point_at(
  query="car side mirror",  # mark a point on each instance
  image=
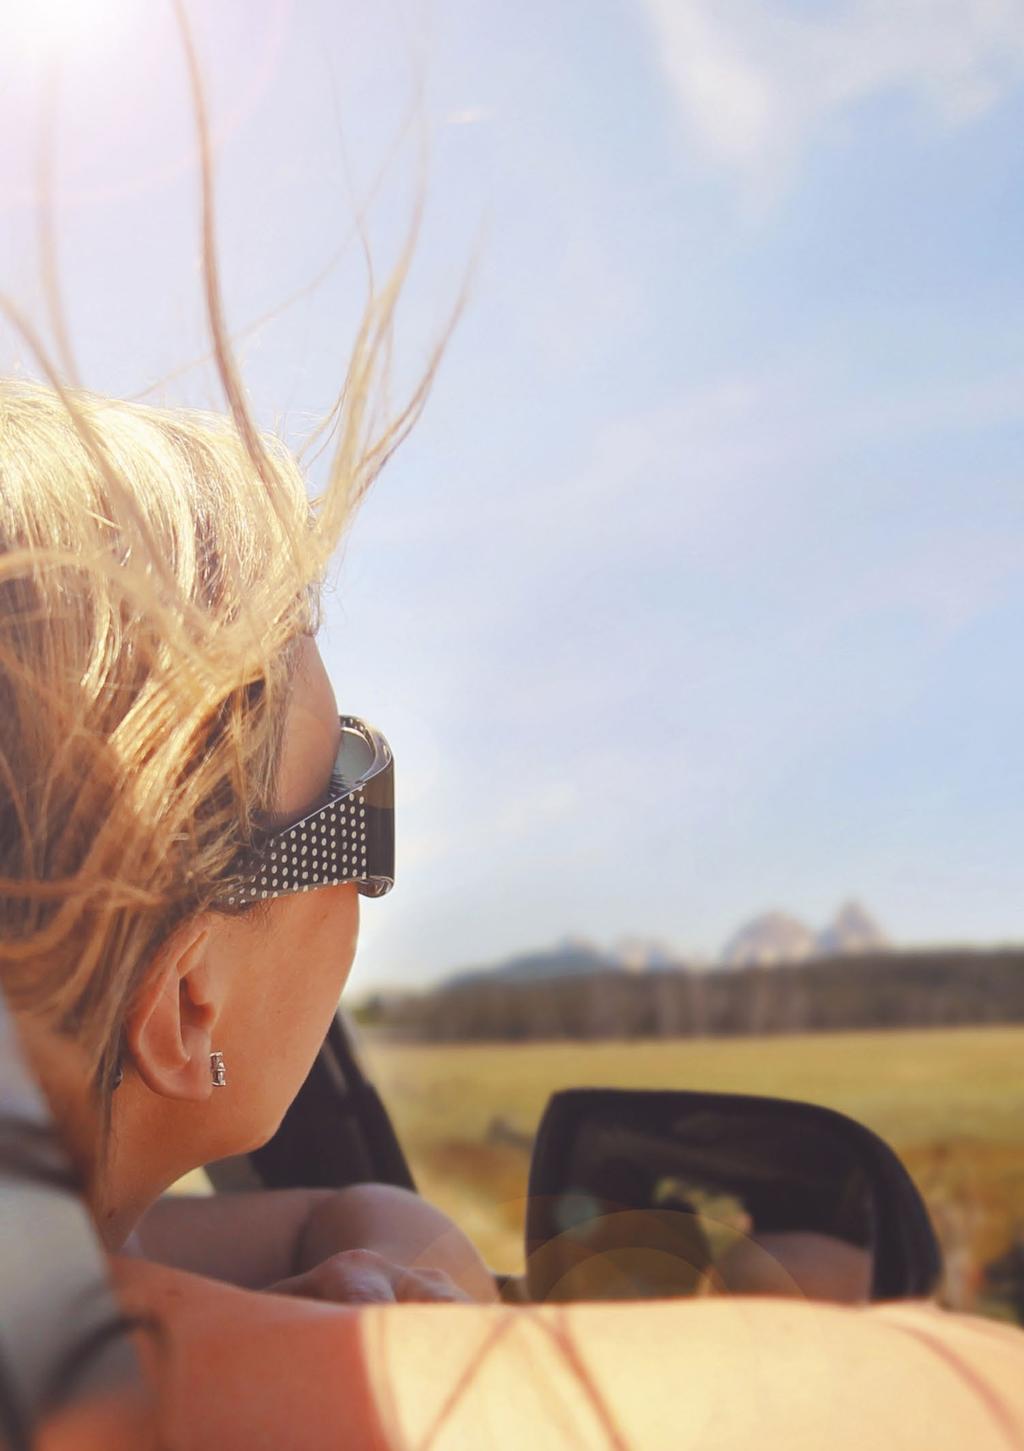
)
(637, 1194)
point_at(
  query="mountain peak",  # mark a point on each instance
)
(853, 930)
(643, 954)
(777, 937)
(772, 937)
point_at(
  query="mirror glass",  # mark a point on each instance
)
(729, 1199)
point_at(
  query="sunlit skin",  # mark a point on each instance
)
(727, 1374)
(110, 1423)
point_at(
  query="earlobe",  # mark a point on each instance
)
(170, 1026)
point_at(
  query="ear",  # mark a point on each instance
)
(171, 1023)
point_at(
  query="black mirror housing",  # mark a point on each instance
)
(680, 1174)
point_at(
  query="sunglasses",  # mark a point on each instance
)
(350, 838)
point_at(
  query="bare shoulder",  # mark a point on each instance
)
(236, 1368)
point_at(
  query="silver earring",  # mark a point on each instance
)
(218, 1072)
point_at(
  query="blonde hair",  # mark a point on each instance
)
(145, 614)
(156, 568)
(154, 575)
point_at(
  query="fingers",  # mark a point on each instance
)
(401, 1226)
(352, 1277)
(363, 1277)
(426, 1285)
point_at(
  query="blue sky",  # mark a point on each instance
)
(698, 590)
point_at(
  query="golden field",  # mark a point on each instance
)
(951, 1102)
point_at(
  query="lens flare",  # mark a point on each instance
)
(65, 27)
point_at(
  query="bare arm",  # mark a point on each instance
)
(246, 1239)
(257, 1240)
(237, 1370)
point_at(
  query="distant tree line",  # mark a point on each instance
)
(877, 990)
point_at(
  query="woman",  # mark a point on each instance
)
(165, 718)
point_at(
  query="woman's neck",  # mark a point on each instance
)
(122, 1170)
(150, 1145)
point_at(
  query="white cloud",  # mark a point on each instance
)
(755, 80)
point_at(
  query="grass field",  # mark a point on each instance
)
(950, 1102)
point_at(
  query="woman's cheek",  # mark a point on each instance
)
(322, 956)
(290, 997)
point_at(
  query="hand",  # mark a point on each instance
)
(363, 1277)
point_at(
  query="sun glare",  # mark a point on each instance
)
(67, 28)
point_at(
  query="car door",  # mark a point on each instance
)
(336, 1132)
